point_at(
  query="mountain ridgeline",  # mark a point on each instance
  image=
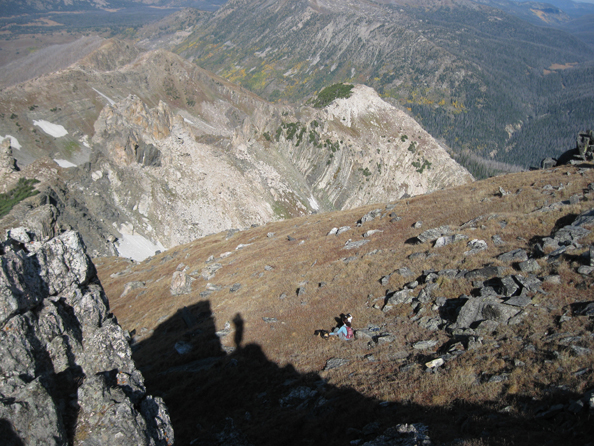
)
(475, 76)
(158, 151)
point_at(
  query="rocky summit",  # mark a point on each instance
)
(67, 374)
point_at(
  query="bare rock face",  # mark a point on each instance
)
(129, 128)
(67, 371)
(7, 162)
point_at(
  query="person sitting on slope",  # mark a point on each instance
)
(345, 332)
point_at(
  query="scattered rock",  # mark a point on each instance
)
(343, 229)
(433, 234)
(335, 363)
(517, 255)
(435, 363)
(181, 283)
(497, 240)
(476, 246)
(424, 345)
(585, 270)
(484, 308)
(529, 266)
(449, 239)
(132, 286)
(183, 347)
(485, 273)
(370, 216)
(235, 287)
(352, 245)
(403, 435)
(371, 232)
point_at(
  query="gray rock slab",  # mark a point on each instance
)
(335, 363)
(425, 345)
(517, 255)
(529, 266)
(485, 273)
(433, 234)
(519, 301)
(449, 239)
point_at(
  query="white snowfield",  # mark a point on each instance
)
(64, 163)
(137, 247)
(14, 143)
(55, 130)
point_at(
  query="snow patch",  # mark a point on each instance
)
(84, 140)
(111, 101)
(64, 163)
(314, 203)
(55, 130)
(14, 143)
(135, 246)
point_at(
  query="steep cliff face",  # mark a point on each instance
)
(360, 150)
(67, 370)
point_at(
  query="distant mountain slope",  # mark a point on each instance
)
(479, 78)
(158, 151)
(14, 7)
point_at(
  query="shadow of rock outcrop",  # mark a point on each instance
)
(236, 396)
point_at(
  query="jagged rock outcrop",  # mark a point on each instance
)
(67, 371)
(129, 128)
(7, 162)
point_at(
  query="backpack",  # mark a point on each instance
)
(350, 333)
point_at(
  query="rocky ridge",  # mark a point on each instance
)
(177, 153)
(67, 371)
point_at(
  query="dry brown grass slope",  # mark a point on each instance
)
(249, 374)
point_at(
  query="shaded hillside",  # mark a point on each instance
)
(473, 75)
(486, 339)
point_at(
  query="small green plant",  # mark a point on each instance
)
(267, 136)
(366, 172)
(328, 94)
(14, 116)
(23, 189)
(403, 138)
(421, 166)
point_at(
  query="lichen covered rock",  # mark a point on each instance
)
(66, 369)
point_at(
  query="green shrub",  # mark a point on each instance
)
(328, 94)
(23, 189)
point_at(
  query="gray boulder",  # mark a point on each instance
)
(485, 308)
(433, 234)
(517, 255)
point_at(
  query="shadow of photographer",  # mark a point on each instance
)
(236, 396)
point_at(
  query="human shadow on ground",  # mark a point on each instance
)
(236, 396)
